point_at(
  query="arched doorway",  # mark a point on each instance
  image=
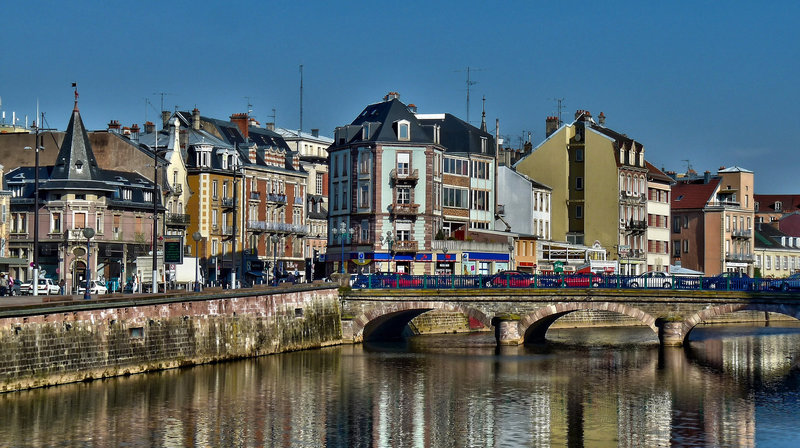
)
(78, 272)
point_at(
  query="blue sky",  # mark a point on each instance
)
(707, 82)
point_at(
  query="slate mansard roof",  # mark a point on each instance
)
(381, 120)
(457, 135)
(76, 171)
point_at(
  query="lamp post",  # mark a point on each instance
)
(36, 210)
(155, 211)
(274, 238)
(446, 262)
(197, 236)
(342, 232)
(388, 239)
(88, 232)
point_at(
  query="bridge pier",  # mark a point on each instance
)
(670, 333)
(506, 330)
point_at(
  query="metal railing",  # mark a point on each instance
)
(279, 198)
(178, 218)
(412, 175)
(404, 209)
(405, 246)
(561, 281)
(742, 233)
(269, 226)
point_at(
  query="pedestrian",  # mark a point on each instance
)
(62, 287)
(3, 284)
(10, 285)
(135, 283)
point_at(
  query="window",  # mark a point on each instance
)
(480, 170)
(80, 221)
(214, 217)
(456, 197)
(117, 223)
(785, 262)
(686, 222)
(364, 159)
(676, 248)
(319, 183)
(483, 145)
(403, 130)
(480, 200)
(98, 226)
(127, 194)
(148, 196)
(458, 167)
(676, 224)
(363, 195)
(778, 206)
(728, 223)
(686, 246)
(404, 195)
(225, 189)
(768, 260)
(579, 212)
(364, 230)
(579, 183)
(335, 199)
(403, 163)
(55, 222)
(403, 230)
(214, 189)
(579, 155)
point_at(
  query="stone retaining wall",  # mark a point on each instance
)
(86, 340)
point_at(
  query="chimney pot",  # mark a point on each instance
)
(270, 126)
(196, 119)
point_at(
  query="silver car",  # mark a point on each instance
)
(651, 279)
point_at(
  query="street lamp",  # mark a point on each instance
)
(388, 240)
(88, 232)
(274, 238)
(155, 210)
(197, 236)
(36, 212)
(446, 263)
(342, 232)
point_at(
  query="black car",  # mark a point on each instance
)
(729, 281)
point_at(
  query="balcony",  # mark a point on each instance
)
(739, 257)
(742, 234)
(255, 196)
(228, 203)
(278, 198)
(404, 209)
(633, 197)
(635, 226)
(177, 219)
(405, 246)
(409, 177)
(177, 189)
(268, 226)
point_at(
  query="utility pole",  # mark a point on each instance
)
(301, 100)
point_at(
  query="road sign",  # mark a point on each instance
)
(361, 256)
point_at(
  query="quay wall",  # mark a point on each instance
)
(60, 343)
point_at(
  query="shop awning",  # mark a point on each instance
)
(487, 256)
(12, 261)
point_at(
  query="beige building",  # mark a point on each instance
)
(777, 255)
(604, 206)
(658, 219)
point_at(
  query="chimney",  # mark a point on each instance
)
(551, 125)
(126, 131)
(602, 119)
(270, 126)
(241, 121)
(706, 177)
(315, 132)
(391, 95)
(113, 126)
(165, 118)
(196, 119)
(412, 108)
(583, 115)
(135, 132)
(149, 127)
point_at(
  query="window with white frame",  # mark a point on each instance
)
(55, 222)
(214, 217)
(480, 200)
(403, 163)
(364, 229)
(320, 177)
(480, 169)
(403, 130)
(364, 162)
(456, 197)
(484, 145)
(403, 195)
(98, 222)
(403, 230)
(459, 167)
(214, 189)
(363, 195)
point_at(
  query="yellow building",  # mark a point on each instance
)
(777, 255)
(599, 186)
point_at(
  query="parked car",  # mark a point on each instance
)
(733, 281)
(512, 279)
(46, 286)
(590, 280)
(651, 279)
(95, 287)
(785, 284)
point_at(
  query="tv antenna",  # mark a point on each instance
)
(162, 94)
(274, 118)
(469, 83)
(249, 105)
(688, 165)
(559, 108)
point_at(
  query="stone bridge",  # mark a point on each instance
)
(524, 315)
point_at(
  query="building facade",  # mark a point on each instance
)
(658, 219)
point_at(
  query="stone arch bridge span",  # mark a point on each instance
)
(524, 315)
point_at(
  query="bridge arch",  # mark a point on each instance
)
(708, 313)
(533, 326)
(388, 320)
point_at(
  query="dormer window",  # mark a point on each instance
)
(483, 145)
(778, 206)
(365, 132)
(403, 128)
(79, 166)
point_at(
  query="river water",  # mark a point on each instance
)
(731, 386)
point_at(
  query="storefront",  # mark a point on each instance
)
(484, 263)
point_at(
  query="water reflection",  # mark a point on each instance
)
(732, 386)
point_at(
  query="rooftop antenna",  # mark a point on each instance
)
(274, 118)
(559, 108)
(301, 99)
(470, 83)
(163, 94)
(249, 105)
(688, 165)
